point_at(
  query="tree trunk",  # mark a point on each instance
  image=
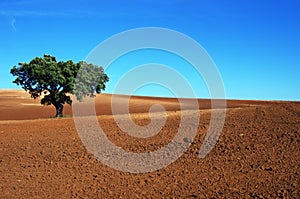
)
(59, 110)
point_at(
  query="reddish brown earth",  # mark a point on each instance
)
(257, 155)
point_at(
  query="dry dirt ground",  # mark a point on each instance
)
(256, 156)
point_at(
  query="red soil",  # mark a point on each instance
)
(257, 154)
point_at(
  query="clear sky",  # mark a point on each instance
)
(255, 44)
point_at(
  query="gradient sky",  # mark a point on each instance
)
(255, 44)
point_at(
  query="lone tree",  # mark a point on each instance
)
(57, 79)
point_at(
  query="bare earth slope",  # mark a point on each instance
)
(257, 154)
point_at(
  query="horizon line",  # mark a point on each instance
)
(169, 97)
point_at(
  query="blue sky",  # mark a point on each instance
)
(255, 44)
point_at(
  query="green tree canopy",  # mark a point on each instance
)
(57, 79)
